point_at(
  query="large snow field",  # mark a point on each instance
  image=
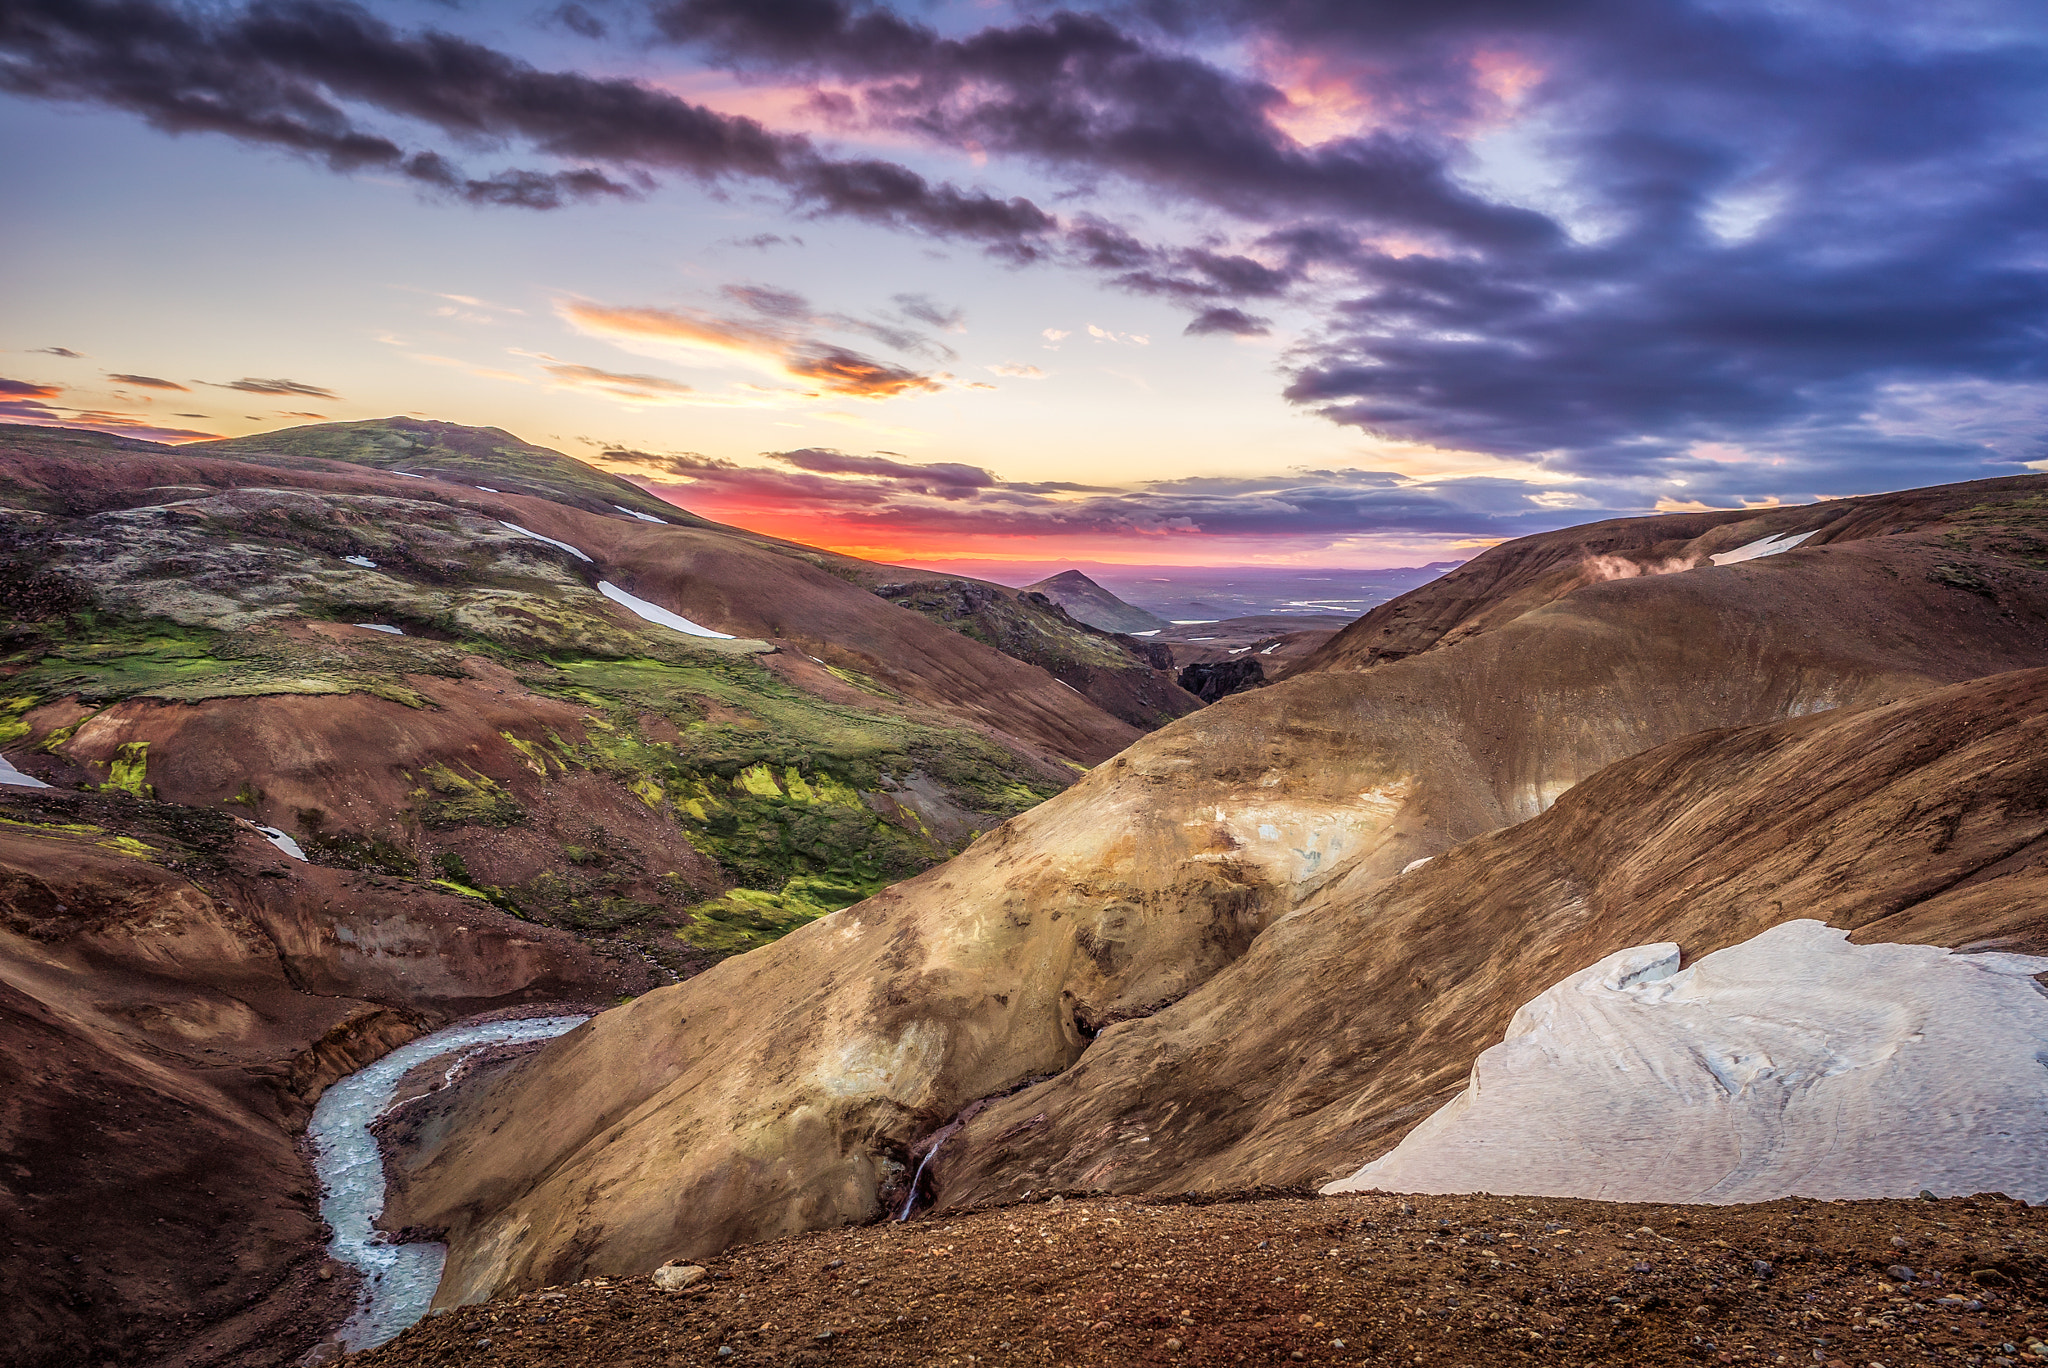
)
(1794, 1063)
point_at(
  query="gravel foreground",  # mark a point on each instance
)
(1367, 1279)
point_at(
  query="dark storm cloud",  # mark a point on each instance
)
(1076, 89)
(290, 74)
(1813, 234)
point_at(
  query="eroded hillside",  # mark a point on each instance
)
(1096, 919)
(334, 745)
(174, 994)
(438, 681)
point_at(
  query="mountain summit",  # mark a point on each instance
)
(1089, 602)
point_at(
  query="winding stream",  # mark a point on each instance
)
(398, 1280)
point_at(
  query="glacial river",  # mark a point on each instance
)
(398, 1280)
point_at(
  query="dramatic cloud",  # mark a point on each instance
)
(249, 385)
(147, 382)
(293, 74)
(779, 341)
(1597, 232)
(1679, 250)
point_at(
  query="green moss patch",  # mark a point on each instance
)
(451, 799)
(128, 771)
(747, 918)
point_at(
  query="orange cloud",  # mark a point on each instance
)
(832, 369)
(844, 372)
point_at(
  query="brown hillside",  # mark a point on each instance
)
(174, 994)
(1517, 577)
(1923, 821)
(789, 1089)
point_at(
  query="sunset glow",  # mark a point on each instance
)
(1253, 287)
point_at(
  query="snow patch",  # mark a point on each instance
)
(280, 840)
(1270, 649)
(407, 473)
(10, 775)
(1154, 632)
(485, 488)
(1794, 1063)
(1414, 865)
(652, 612)
(380, 627)
(363, 561)
(549, 540)
(1767, 546)
(643, 517)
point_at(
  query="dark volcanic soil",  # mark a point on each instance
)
(1435, 1281)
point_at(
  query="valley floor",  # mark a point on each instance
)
(1366, 1279)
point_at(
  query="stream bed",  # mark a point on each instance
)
(398, 1280)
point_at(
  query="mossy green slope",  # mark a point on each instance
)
(188, 594)
(451, 451)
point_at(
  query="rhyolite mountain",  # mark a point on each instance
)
(1091, 603)
(1202, 966)
(544, 739)
(539, 736)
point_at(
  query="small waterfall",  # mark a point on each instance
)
(938, 1139)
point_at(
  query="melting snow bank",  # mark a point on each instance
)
(549, 540)
(1792, 1064)
(398, 1280)
(363, 561)
(10, 775)
(1768, 546)
(381, 627)
(657, 614)
(643, 517)
(281, 840)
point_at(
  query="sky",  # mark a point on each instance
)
(1348, 283)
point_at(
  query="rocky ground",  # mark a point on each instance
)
(1369, 1279)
